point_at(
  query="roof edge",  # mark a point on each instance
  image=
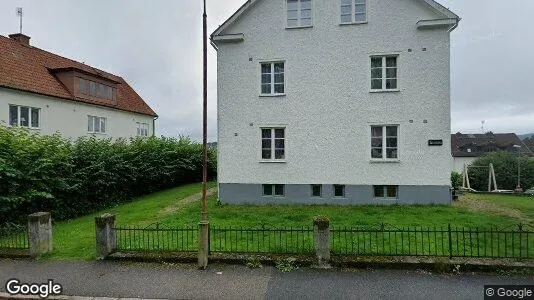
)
(73, 99)
(246, 6)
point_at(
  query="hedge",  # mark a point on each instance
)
(505, 165)
(73, 178)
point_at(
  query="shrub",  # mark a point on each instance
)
(456, 180)
(505, 165)
(73, 178)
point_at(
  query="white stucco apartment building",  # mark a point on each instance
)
(334, 101)
(49, 94)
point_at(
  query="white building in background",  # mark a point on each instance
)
(48, 93)
(334, 101)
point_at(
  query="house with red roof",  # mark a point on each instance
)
(49, 94)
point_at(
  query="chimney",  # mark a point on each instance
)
(21, 38)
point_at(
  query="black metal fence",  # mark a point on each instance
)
(385, 240)
(14, 237)
(380, 240)
(262, 240)
(156, 238)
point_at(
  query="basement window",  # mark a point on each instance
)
(276, 190)
(386, 191)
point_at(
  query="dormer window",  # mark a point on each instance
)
(96, 89)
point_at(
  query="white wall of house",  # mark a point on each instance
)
(328, 108)
(460, 161)
(70, 118)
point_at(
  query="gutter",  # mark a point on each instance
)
(455, 25)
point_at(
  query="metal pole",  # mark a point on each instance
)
(204, 224)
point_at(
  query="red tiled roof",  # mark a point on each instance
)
(28, 68)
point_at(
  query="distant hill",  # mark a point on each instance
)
(524, 136)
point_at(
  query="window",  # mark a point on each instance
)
(92, 88)
(83, 86)
(24, 116)
(96, 124)
(272, 78)
(276, 190)
(339, 190)
(384, 142)
(299, 13)
(317, 190)
(385, 191)
(142, 129)
(273, 143)
(353, 11)
(383, 73)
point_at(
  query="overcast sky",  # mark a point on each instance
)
(157, 47)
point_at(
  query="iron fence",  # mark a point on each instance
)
(14, 237)
(156, 238)
(385, 240)
(380, 240)
(262, 240)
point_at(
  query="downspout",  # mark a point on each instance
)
(154, 125)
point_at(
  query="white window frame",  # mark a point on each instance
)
(142, 127)
(100, 119)
(384, 77)
(29, 116)
(334, 190)
(320, 190)
(299, 15)
(353, 12)
(273, 144)
(273, 191)
(385, 192)
(384, 143)
(273, 93)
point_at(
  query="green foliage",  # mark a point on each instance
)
(456, 180)
(505, 165)
(254, 262)
(286, 265)
(73, 178)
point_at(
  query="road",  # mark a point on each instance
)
(179, 281)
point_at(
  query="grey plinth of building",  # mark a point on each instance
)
(40, 233)
(106, 241)
(321, 228)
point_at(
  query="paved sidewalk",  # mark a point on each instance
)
(182, 281)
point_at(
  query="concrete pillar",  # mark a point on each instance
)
(40, 233)
(106, 240)
(321, 228)
(203, 244)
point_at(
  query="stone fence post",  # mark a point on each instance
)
(40, 233)
(322, 235)
(106, 240)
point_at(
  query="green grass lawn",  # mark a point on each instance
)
(75, 239)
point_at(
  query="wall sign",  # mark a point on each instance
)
(435, 142)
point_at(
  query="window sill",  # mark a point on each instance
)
(272, 95)
(99, 133)
(353, 23)
(25, 127)
(385, 161)
(385, 199)
(299, 27)
(281, 161)
(385, 91)
(339, 198)
(273, 197)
